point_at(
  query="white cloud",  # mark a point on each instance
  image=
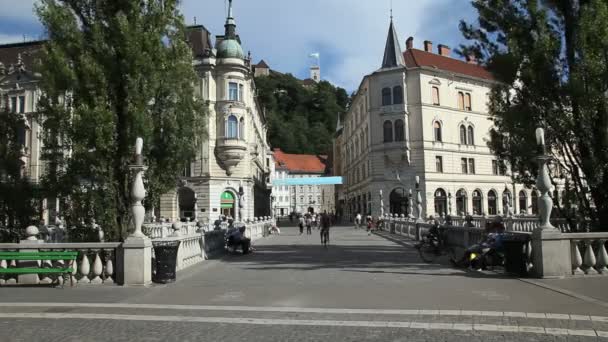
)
(349, 34)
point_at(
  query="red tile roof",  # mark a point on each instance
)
(415, 58)
(304, 163)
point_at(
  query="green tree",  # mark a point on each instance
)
(551, 61)
(112, 71)
(300, 119)
(18, 197)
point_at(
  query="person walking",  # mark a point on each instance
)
(325, 224)
(357, 220)
(301, 224)
(308, 224)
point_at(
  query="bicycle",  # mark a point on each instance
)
(433, 246)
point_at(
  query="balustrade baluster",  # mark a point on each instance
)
(109, 271)
(97, 269)
(589, 259)
(85, 268)
(577, 259)
(2, 265)
(602, 259)
(74, 264)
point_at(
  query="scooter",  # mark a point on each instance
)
(483, 256)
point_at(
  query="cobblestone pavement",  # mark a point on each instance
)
(360, 288)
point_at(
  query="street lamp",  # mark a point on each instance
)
(543, 183)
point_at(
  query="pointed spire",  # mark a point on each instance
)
(230, 23)
(393, 56)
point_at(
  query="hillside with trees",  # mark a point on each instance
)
(300, 119)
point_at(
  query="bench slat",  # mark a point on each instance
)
(39, 253)
(35, 270)
(38, 257)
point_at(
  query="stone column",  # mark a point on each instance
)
(29, 279)
(135, 254)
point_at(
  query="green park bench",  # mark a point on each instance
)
(42, 256)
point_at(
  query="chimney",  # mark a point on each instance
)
(428, 46)
(409, 43)
(471, 59)
(443, 50)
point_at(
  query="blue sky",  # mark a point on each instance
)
(349, 34)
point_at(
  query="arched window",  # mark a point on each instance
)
(399, 130)
(398, 95)
(463, 135)
(523, 202)
(471, 135)
(534, 200)
(477, 202)
(492, 204)
(242, 129)
(386, 96)
(436, 96)
(232, 128)
(461, 202)
(437, 131)
(388, 131)
(441, 202)
(398, 202)
(460, 100)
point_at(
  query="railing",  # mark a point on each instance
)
(165, 230)
(95, 264)
(593, 259)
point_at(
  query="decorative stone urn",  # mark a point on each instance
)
(230, 152)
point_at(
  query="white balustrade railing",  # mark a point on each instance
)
(95, 264)
(588, 253)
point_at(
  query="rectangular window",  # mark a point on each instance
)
(13, 106)
(460, 100)
(467, 102)
(502, 168)
(21, 104)
(436, 96)
(495, 167)
(233, 91)
(439, 164)
(472, 166)
(464, 165)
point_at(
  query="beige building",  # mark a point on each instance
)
(306, 197)
(425, 114)
(231, 173)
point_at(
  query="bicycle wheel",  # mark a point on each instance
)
(428, 252)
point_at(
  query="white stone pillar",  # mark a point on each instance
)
(135, 254)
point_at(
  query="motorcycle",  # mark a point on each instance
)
(486, 254)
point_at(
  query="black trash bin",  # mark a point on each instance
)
(165, 255)
(515, 254)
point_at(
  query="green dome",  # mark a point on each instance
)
(230, 48)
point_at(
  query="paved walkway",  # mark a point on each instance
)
(360, 288)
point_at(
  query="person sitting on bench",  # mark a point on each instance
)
(237, 239)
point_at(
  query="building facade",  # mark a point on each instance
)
(306, 197)
(231, 173)
(19, 93)
(424, 114)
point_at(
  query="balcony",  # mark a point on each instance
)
(230, 152)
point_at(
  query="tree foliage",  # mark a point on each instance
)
(551, 59)
(112, 71)
(300, 119)
(18, 197)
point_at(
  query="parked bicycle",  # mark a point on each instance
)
(434, 245)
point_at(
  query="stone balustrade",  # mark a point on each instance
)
(95, 265)
(588, 253)
(190, 252)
